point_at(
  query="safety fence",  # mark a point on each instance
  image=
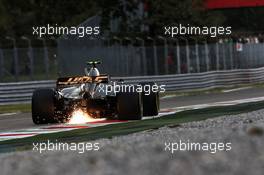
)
(28, 61)
(21, 92)
(46, 59)
(158, 56)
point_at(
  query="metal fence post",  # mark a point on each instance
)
(231, 54)
(249, 62)
(197, 56)
(261, 49)
(217, 56)
(16, 61)
(46, 56)
(120, 56)
(155, 55)
(16, 68)
(155, 58)
(31, 57)
(207, 56)
(127, 57)
(224, 56)
(2, 67)
(144, 57)
(166, 52)
(15, 58)
(104, 43)
(253, 55)
(143, 49)
(177, 52)
(119, 51)
(187, 55)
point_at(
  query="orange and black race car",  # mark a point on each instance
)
(96, 95)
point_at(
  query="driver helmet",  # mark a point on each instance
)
(93, 72)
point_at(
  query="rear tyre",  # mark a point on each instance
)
(129, 106)
(151, 103)
(43, 108)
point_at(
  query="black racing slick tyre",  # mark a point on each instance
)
(129, 106)
(151, 103)
(43, 108)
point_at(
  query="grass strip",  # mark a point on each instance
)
(15, 108)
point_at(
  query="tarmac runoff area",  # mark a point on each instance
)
(145, 152)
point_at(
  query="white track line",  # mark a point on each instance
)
(225, 103)
(236, 89)
(7, 114)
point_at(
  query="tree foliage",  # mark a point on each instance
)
(173, 12)
(17, 17)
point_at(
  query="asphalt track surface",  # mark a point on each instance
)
(23, 120)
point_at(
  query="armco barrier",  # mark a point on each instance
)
(21, 92)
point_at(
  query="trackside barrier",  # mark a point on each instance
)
(21, 92)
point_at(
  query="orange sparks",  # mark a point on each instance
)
(80, 117)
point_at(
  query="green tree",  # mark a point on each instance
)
(17, 17)
(157, 14)
(173, 12)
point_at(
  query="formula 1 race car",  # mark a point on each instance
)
(95, 95)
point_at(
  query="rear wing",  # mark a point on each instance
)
(69, 81)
